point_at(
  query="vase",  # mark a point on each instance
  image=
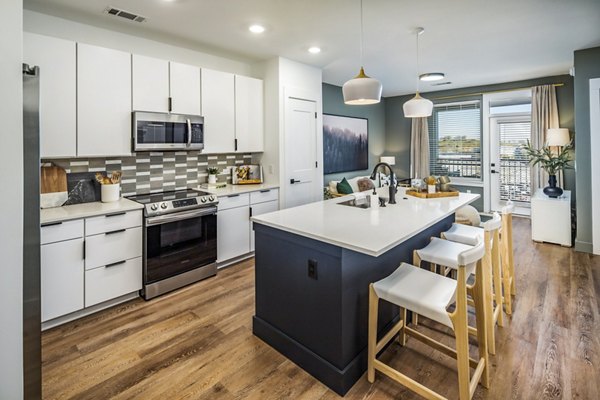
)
(110, 193)
(552, 190)
(212, 178)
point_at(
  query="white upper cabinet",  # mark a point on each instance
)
(150, 83)
(185, 89)
(218, 110)
(249, 120)
(56, 59)
(103, 101)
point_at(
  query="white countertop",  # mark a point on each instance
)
(371, 231)
(238, 189)
(76, 211)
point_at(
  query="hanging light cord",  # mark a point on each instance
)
(361, 34)
(419, 31)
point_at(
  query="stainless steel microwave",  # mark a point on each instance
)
(167, 132)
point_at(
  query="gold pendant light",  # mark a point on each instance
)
(418, 106)
(362, 89)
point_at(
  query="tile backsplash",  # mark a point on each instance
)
(157, 171)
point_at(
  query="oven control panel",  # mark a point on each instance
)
(184, 203)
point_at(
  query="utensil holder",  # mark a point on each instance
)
(110, 193)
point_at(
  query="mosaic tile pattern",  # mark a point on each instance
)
(157, 171)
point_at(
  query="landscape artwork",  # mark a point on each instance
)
(345, 144)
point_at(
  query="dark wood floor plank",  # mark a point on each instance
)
(197, 343)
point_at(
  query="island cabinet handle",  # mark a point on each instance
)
(114, 214)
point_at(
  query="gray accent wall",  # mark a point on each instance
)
(587, 66)
(398, 127)
(333, 103)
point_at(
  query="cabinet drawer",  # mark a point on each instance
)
(59, 231)
(232, 201)
(111, 247)
(106, 283)
(113, 222)
(264, 195)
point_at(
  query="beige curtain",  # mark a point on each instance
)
(544, 115)
(419, 148)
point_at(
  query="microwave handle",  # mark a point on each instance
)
(189, 132)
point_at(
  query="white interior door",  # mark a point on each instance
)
(300, 152)
(510, 172)
(595, 144)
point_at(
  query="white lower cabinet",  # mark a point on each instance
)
(112, 280)
(235, 236)
(62, 278)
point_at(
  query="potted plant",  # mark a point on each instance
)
(212, 174)
(552, 162)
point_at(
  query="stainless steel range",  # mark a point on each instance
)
(180, 239)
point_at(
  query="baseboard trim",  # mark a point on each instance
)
(583, 247)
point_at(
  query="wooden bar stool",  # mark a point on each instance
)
(430, 294)
(508, 263)
(443, 252)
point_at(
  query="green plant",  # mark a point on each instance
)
(212, 170)
(548, 160)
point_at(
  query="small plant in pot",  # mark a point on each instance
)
(212, 174)
(552, 162)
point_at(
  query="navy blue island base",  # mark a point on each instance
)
(312, 300)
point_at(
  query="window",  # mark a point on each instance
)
(455, 140)
(515, 172)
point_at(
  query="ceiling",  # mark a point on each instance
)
(473, 42)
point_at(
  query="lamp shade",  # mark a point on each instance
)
(362, 90)
(417, 107)
(558, 137)
(390, 160)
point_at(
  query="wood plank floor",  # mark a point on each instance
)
(197, 343)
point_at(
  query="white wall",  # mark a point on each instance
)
(67, 29)
(11, 201)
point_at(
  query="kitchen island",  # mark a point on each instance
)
(313, 267)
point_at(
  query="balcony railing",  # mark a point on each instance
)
(457, 167)
(515, 180)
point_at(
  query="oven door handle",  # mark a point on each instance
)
(165, 219)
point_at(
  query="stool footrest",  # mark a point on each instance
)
(442, 348)
(407, 382)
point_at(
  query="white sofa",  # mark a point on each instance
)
(354, 183)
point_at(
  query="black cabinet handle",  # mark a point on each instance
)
(117, 231)
(265, 191)
(292, 181)
(250, 212)
(52, 224)
(234, 195)
(115, 264)
(115, 214)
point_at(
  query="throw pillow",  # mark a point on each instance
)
(344, 187)
(365, 184)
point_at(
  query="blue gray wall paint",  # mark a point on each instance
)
(333, 103)
(398, 128)
(587, 66)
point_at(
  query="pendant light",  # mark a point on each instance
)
(362, 89)
(418, 106)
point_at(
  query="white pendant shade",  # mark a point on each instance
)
(362, 90)
(417, 107)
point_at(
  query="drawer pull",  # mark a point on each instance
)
(117, 231)
(234, 195)
(265, 191)
(52, 224)
(115, 264)
(115, 214)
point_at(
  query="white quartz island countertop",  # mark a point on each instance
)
(76, 211)
(371, 231)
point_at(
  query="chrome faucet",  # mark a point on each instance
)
(393, 189)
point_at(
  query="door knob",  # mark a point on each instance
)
(493, 171)
(292, 181)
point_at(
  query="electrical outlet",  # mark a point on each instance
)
(271, 169)
(468, 190)
(312, 269)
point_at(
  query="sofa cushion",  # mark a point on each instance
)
(365, 184)
(344, 187)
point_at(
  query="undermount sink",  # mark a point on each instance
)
(360, 203)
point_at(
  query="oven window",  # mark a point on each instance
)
(180, 246)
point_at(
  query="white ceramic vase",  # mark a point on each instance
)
(212, 179)
(110, 193)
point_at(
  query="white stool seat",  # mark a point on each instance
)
(444, 252)
(466, 234)
(419, 290)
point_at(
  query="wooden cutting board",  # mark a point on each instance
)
(53, 179)
(436, 195)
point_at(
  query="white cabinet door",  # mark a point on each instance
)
(185, 89)
(103, 101)
(249, 119)
(258, 209)
(218, 111)
(61, 276)
(150, 84)
(56, 59)
(233, 233)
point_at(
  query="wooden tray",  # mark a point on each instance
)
(436, 195)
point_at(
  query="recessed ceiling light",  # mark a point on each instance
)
(432, 76)
(256, 28)
(314, 50)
